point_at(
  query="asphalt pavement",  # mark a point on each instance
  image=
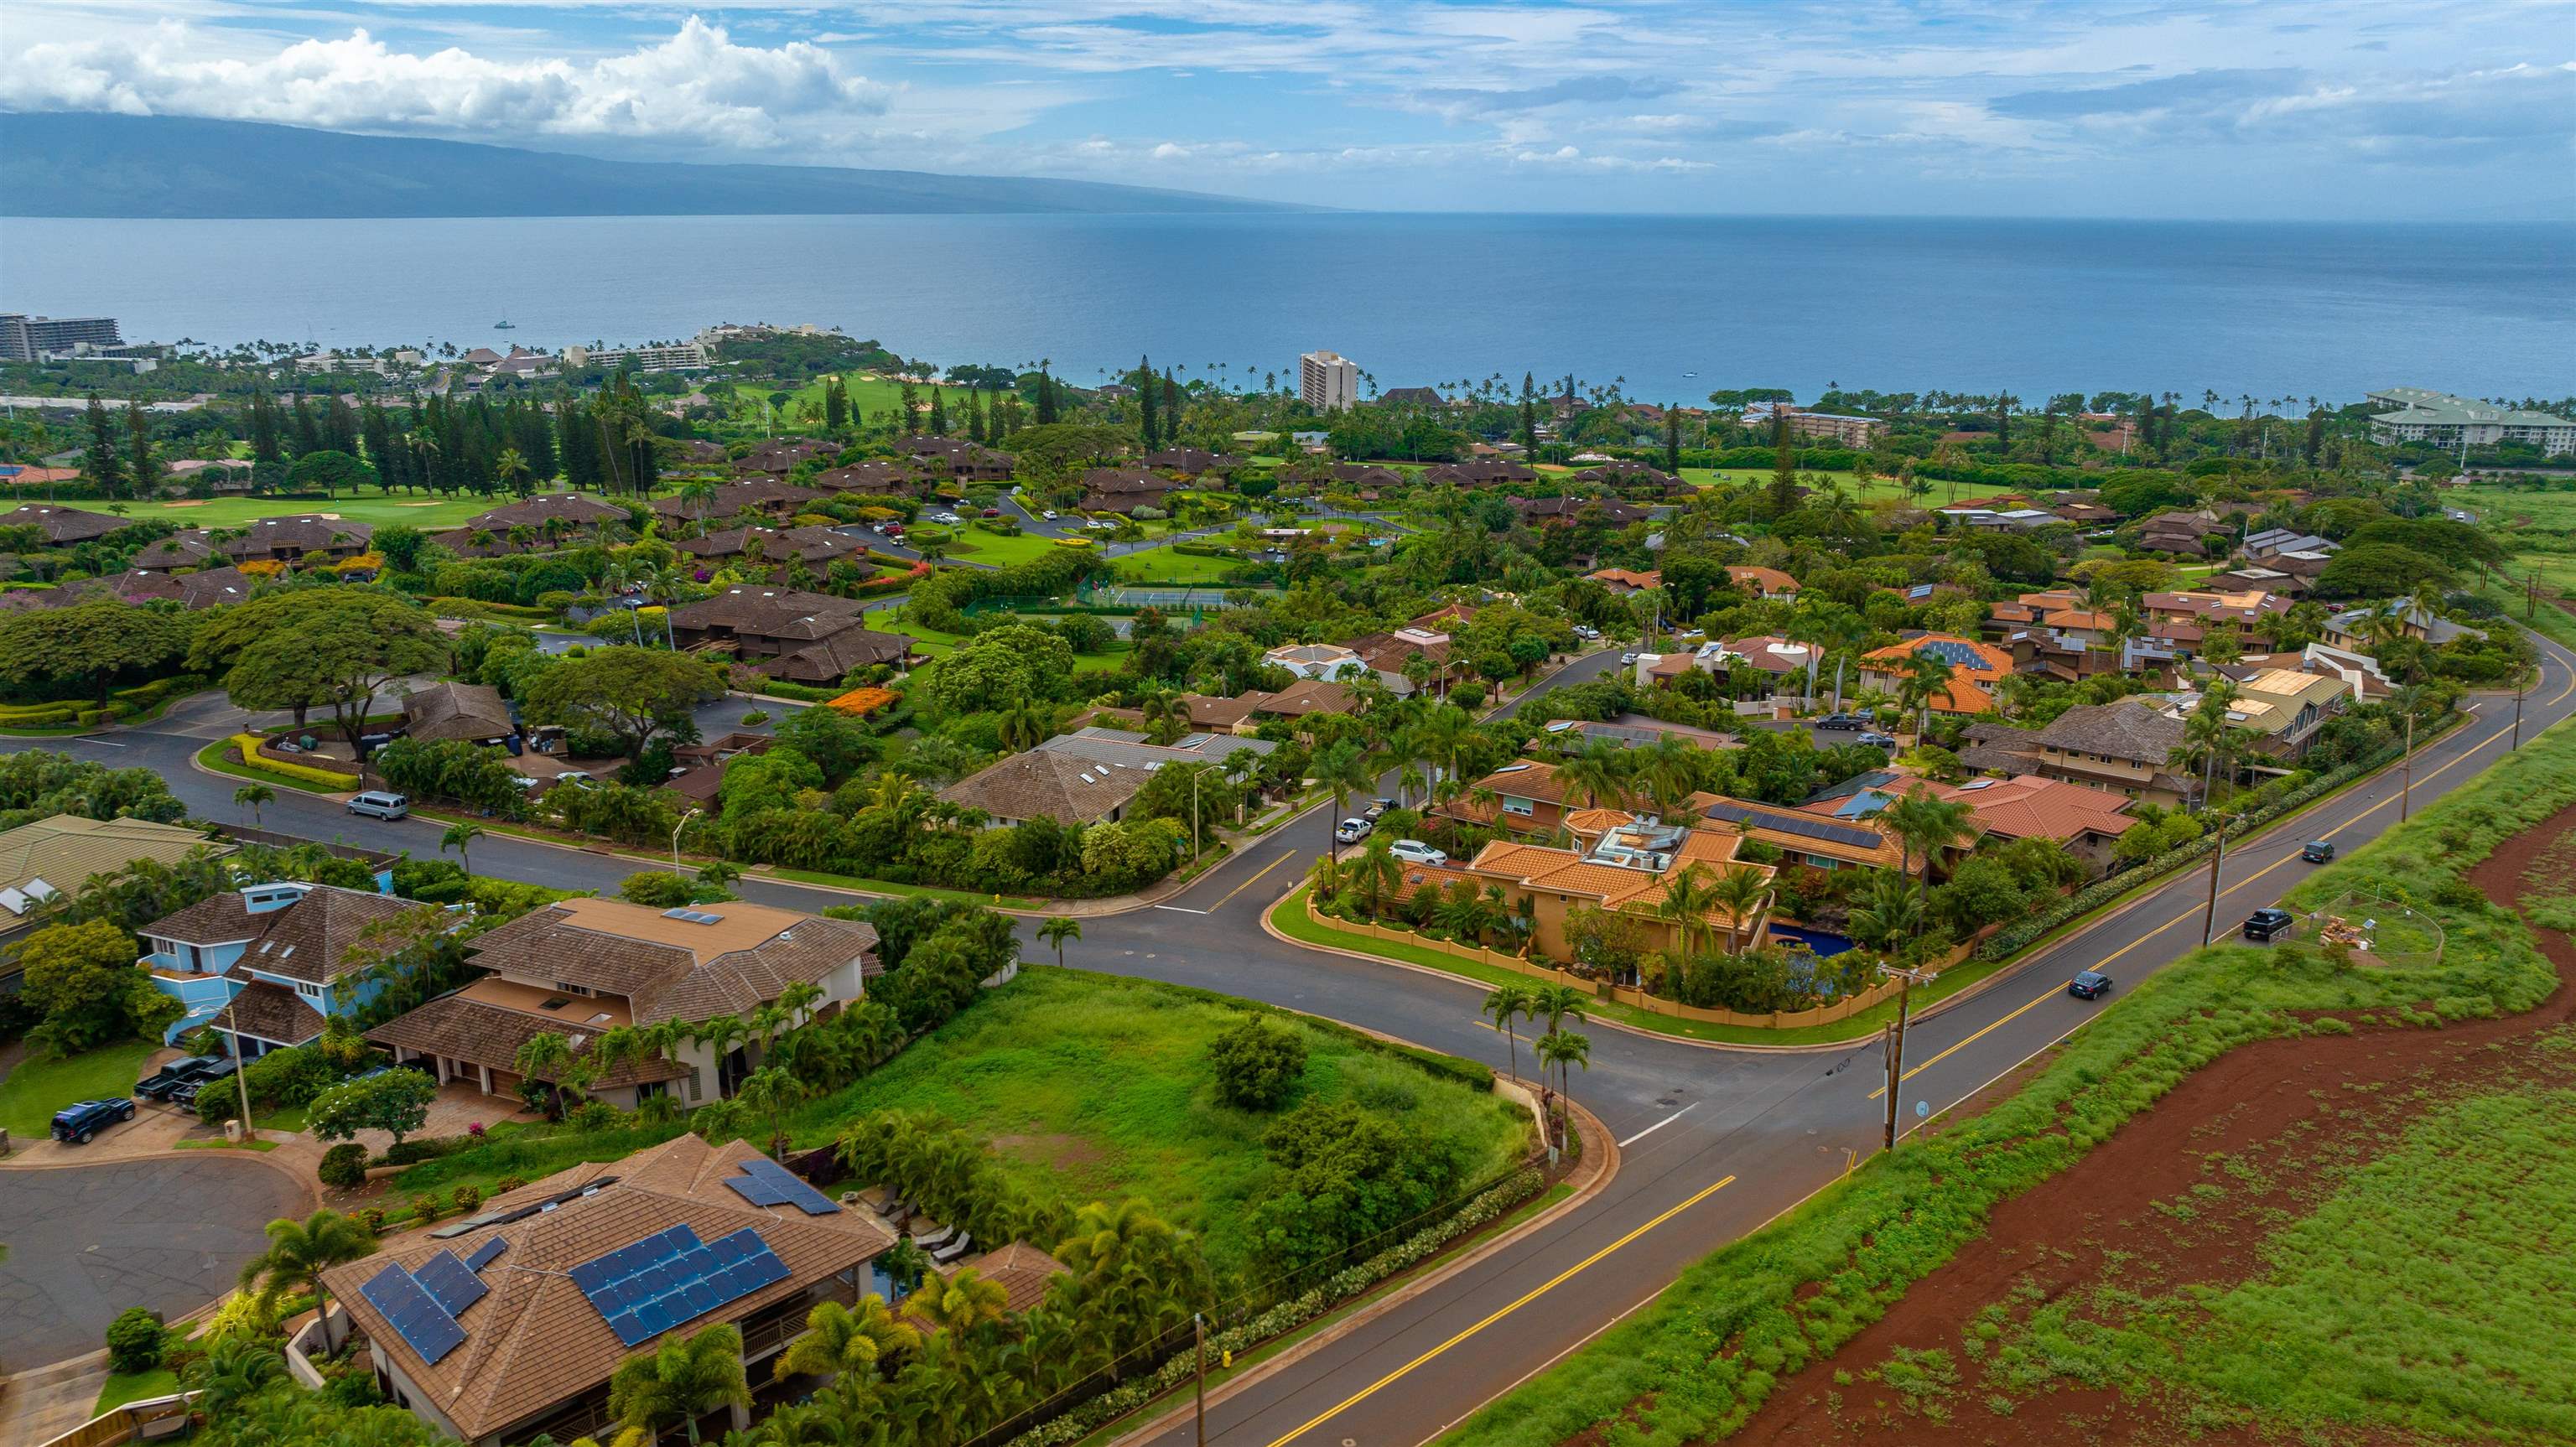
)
(1715, 1141)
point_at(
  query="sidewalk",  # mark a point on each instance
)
(42, 1403)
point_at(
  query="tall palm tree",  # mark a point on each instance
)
(1741, 892)
(1688, 894)
(771, 1092)
(688, 1378)
(460, 837)
(843, 1341)
(1056, 930)
(1378, 873)
(1505, 1006)
(300, 1251)
(1561, 1048)
(1346, 768)
(1888, 912)
(251, 797)
(546, 1056)
(1926, 824)
(1927, 677)
(1597, 776)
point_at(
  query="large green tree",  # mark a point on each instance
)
(83, 979)
(637, 694)
(330, 472)
(86, 647)
(335, 648)
(999, 668)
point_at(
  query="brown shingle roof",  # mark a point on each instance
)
(1056, 786)
(535, 1340)
(2127, 729)
(470, 711)
(65, 850)
(1021, 1270)
(61, 524)
(272, 1012)
(481, 1033)
(669, 969)
(308, 940)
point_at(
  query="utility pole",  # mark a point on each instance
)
(2209, 915)
(241, 1076)
(1896, 1034)
(1198, 1327)
(2521, 686)
(2406, 787)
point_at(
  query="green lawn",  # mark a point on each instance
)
(1162, 565)
(936, 644)
(989, 547)
(123, 1387)
(380, 509)
(1097, 1087)
(30, 1094)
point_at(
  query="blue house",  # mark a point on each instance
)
(267, 963)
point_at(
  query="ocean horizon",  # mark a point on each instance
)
(1670, 306)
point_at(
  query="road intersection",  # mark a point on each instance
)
(1719, 1140)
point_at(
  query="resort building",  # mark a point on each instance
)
(1329, 381)
(2422, 415)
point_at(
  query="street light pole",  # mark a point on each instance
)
(675, 837)
(2217, 861)
(1198, 1328)
(2406, 787)
(241, 1077)
(2521, 686)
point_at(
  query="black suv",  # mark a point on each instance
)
(165, 1082)
(77, 1122)
(2263, 924)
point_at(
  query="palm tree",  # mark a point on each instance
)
(1597, 776)
(509, 467)
(251, 797)
(1378, 872)
(300, 1251)
(1506, 1005)
(1926, 824)
(1688, 894)
(1562, 1048)
(546, 1056)
(1927, 677)
(959, 1304)
(234, 1369)
(842, 1341)
(1055, 931)
(1345, 768)
(1888, 913)
(1741, 892)
(460, 837)
(688, 1378)
(771, 1092)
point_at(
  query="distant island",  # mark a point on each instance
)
(91, 165)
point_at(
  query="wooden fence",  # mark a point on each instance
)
(158, 1417)
(1842, 1009)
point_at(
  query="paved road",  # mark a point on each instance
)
(86, 1242)
(1716, 1141)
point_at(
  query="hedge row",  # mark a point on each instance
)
(124, 703)
(1088, 1417)
(325, 779)
(2013, 938)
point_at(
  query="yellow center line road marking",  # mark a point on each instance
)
(2464, 757)
(1533, 1294)
(1256, 879)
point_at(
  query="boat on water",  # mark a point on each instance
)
(505, 325)
(1690, 374)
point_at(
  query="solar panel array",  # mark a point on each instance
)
(450, 1283)
(765, 1182)
(693, 916)
(424, 1325)
(670, 1277)
(1950, 651)
(484, 1253)
(1804, 825)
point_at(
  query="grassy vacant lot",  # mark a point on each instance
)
(381, 509)
(30, 1094)
(1695, 1364)
(1097, 1087)
(1162, 565)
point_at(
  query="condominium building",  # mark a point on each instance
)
(1328, 381)
(675, 357)
(24, 338)
(2448, 421)
(1839, 427)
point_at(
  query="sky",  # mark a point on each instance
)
(2265, 109)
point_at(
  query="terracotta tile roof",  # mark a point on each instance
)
(2030, 807)
(1800, 833)
(1768, 580)
(271, 1012)
(1627, 578)
(535, 1340)
(479, 1032)
(1635, 891)
(1021, 1270)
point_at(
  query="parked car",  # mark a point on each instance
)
(1841, 721)
(1352, 831)
(186, 1095)
(77, 1122)
(992, 512)
(1377, 809)
(892, 530)
(2317, 851)
(577, 779)
(2263, 924)
(1414, 851)
(1586, 632)
(1627, 658)
(1049, 514)
(379, 804)
(2090, 985)
(1878, 740)
(161, 1083)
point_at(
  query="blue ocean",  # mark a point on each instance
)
(1670, 307)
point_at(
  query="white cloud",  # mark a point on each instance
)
(697, 89)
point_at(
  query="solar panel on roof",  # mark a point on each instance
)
(424, 1325)
(646, 1289)
(1949, 651)
(484, 1253)
(1803, 825)
(450, 1283)
(788, 1187)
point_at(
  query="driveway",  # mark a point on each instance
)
(86, 1242)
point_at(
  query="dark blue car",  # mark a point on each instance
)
(77, 1122)
(2090, 985)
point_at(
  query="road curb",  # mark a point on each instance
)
(1603, 1165)
(311, 1190)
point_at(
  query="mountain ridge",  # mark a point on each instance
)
(92, 165)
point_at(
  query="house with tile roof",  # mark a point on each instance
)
(2122, 748)
(582, 967)
(1624, 863)
(1975, 668)
(1625, 581)
(301, 538)
(1764, 582)
(265, 964)
(2089, 822)
(61, 525)
(507, 1325)
(805, 637)
(44, 862)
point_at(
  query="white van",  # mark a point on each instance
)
(379, 804)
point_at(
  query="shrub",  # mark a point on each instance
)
(468, 1199)
(507, 1184)
(344, 1166)
(424, 1207)
(755, 716)
(1257, 1064)
(135, 1341)
(373, 1218)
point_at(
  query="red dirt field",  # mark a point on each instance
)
(2298, 1112)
